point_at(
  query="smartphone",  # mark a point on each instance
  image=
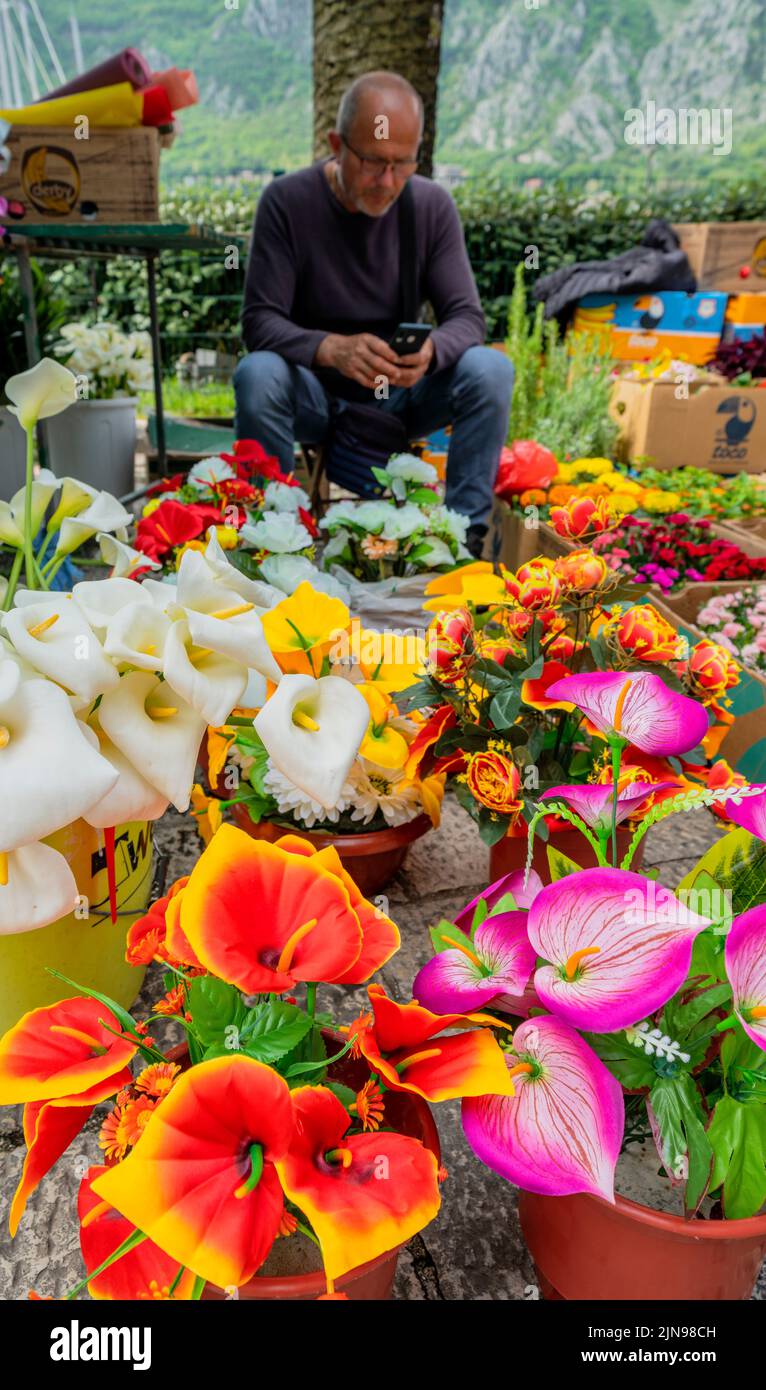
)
(409, 338)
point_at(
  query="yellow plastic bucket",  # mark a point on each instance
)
(86, 945)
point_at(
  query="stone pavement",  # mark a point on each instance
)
(474, 1249)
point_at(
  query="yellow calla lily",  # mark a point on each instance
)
(384, 747)
(302, 629)
(481, 590)
(452, 583)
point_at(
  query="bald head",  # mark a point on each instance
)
(377, 94)
(376, 141)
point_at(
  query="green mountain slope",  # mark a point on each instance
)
(525, 92)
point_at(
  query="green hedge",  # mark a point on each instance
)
(200, 298)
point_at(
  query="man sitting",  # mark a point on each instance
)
(322, 299)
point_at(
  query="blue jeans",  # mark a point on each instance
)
(278, 403)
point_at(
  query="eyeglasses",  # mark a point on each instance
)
(372, 164)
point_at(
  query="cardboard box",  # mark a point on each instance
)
(515, 543)
(111, 177)
(719, 427)
(745, 317)
(641, 326)
(718, 251)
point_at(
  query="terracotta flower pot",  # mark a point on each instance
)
(371, 857)
(585, 1248)
(407, 1114)
(510, 853)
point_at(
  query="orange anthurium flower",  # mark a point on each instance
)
(364, 1194)
(146, 939)
(380, 936)
(443, 718)
(262, 918)
(62, 1050)
(402, 1045)
(144, 1272)
(202, 1182)
(534, 692)
(49, 1128)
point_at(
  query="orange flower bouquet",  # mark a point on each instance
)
(498, 645)
(270, 1122)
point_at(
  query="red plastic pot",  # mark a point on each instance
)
(586, 1248)
(371, 857)
(510, 853)
(407, 1114)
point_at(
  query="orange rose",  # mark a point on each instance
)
(517, 624)
(644, 631)
(581, 517)
(581, 571)
(534, 585)
(451, 648)
(493, 779)
(711, 670)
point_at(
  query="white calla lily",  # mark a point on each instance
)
(254, 693)
(220, 619)
(264, 596)
(49, 773)
(137, 633)
(39, 888)
(212, 684)
(56, 637)
(43, 391)
(101, 599)
(75, 497)
(12, 513)
(131, 798)
(105, 513)
(156, 731)
(125, 560)
(312, 731)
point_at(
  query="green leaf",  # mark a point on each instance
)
(214, 1007)
(505, 904)
(492, 827)
(273, 1029)
(382, 476)
(680, 1018)
(534, 671)
(437, 935)
(680, 1117)
(737, 1134)
(736, 864)
(627, 1063)
(480, 914)
(345, 1094)
(560, 866)
(505, 707)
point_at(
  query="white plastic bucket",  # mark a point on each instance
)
(95, 442)
(13, 454)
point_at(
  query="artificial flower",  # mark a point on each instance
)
(312, 730)
(497, 960)
(44, 390)
(745, 955)
(302, 629)
(638, 708)
(493, 779)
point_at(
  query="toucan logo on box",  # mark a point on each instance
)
(76, 1343)
(731, 437)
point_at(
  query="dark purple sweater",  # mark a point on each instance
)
(315, 268)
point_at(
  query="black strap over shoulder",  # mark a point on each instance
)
(409, 305)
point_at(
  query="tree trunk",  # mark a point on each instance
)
(356, 36)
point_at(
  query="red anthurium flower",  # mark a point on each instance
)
(63, 1050)
(173, 524)
(402, 1045)
(251, 460)
(380, 936)
(263, 918)
(202, 1182)
(49, 1128)
(144, 1272)
(363, 1194)
(308, 521)
(535, 692)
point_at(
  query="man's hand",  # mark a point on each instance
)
(415, 366)
(362, 357)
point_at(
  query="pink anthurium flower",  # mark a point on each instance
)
(637, 707)
(499, 961)
(745, 957)
(509, 883)
(619, 945)
(593, 804)
(562, 1130)
(750, 813)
